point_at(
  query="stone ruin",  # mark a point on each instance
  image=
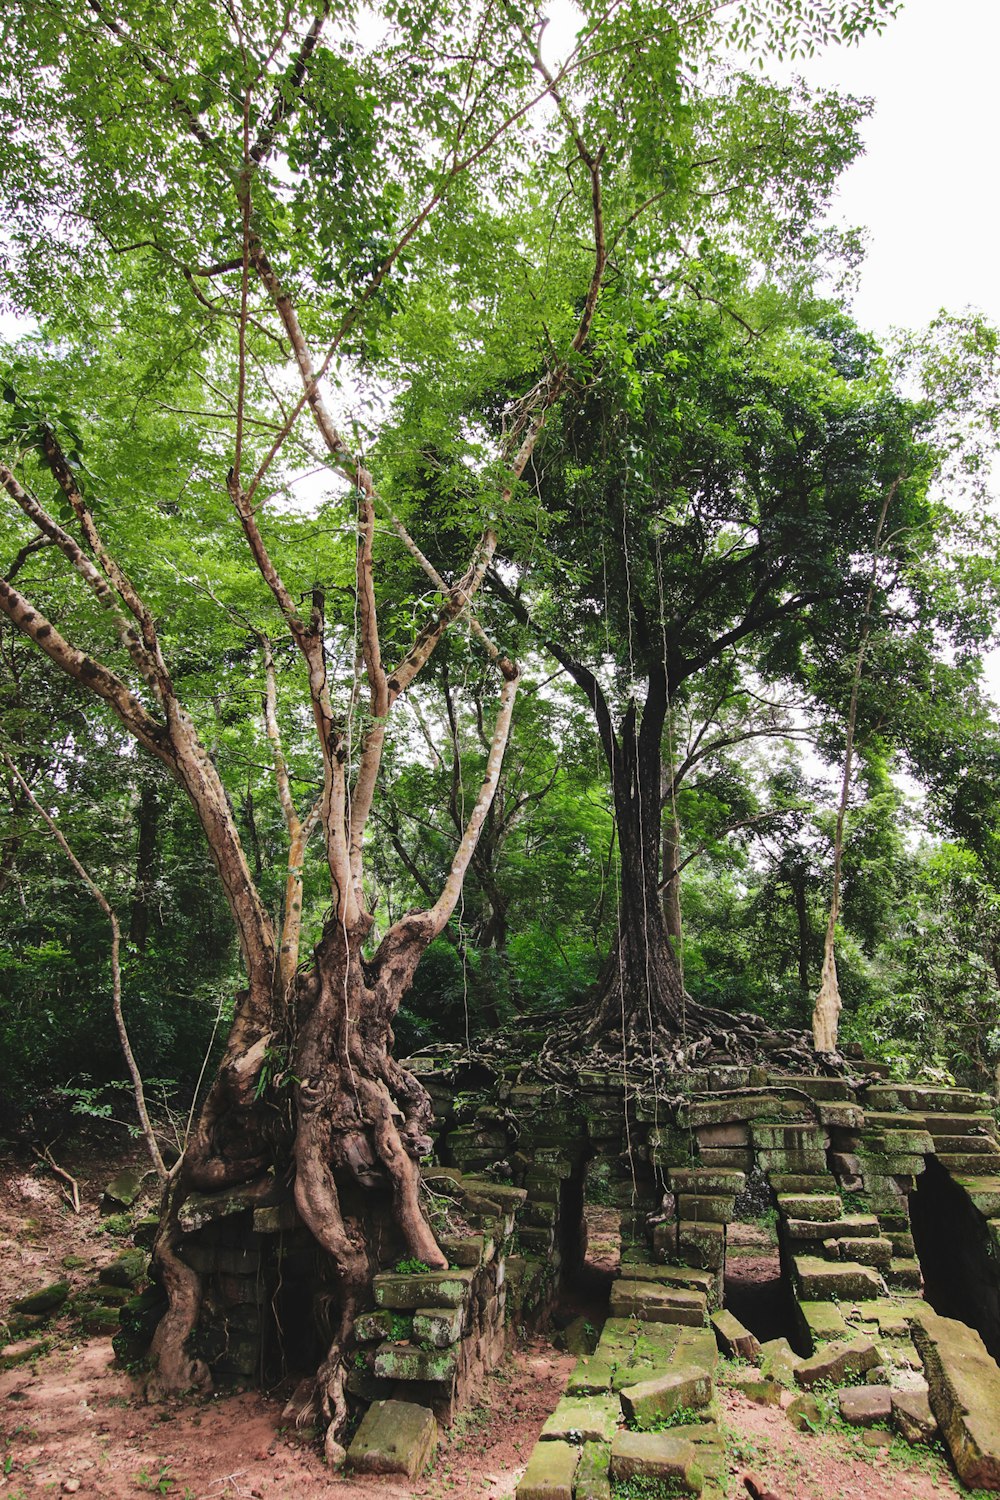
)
(887, 1204)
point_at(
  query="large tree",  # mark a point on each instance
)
(228, 223)
(715, 499)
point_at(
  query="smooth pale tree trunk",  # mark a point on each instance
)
(828, 1004)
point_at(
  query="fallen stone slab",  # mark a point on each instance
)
(593, 1476)
(804, 1412)
(836, 1361)
(754, 1386)
(656, 1303)
(778, 1361)
(964, 1388)
(854, 1226)
(912, 1416)
(824, 1320)
(550, 1472)
(395, 1437)
(583, 1419)
(407, 1362)
(688, 1388)
(843, 1280)
(654, 1455)
(732, 1337)
(865, 1405)
(46, 1300)
(816, 1207)
(123, 1190)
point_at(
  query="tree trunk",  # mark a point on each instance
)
(145, 867)
(639, 996)
(358, 1129)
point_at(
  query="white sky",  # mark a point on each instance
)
(927, 187)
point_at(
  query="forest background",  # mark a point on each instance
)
(751, 817)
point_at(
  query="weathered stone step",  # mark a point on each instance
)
(796, 1135)
(845, 1280)
(723, 1181)
(816, 1088)
(964, 1389)
(849, 1226)
(550, 1472)
(970, 1145)
(982, 1164)
(908, 1096)
(655, 1456)
(974, 1124)
(984, 1192)
(815, 1206)
(866, 1252)
(904, 1274)
(395, 1437)
(583, 1419)
(655, 1303)
(798, 1182)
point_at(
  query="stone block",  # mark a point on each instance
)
(964, 1389)
(411, 1289)
(836, 1361)
(125, 1189)
(665, 1239)
(376, 1327)
(550, 1472)
(722, 1181)
(593, 1476)
(904, 1274)
(812, 1207)
(778, 1361)
(705, 1209)
(821, 1280)
(395, 1437)
(468, 1250)
(439, 1327)
(865, 1405)
(407, 1362)
(734, 1157)
(849, 1226)
(984, 1192)
(686, 1388)
(789, 1136)
(823, 1319)
(912, 1416)
(804, 1412)
(807, 1162)
(657, 1303)
(702, 1245)
(736, 1133)
(655, 1455)
(46, 1300)
(732, 1338)
(758, 1388)
(583, 1419)
(867, 1251)
(128, 1269)
(809, 1183)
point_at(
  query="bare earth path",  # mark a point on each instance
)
(72, 1422)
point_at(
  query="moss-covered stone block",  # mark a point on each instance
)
(837, 1361)
(593, 1474)
(395, 1437)
(129, 1269)
(438, 1327)
(656, 1455)
(550, 1473)
(583, 1419)
(657, 1303)
(413, 1289)
(47, 1299)
(964, 1388)
(686, 1387)
(844, 1280)
(702, 1245)
(408, 1362)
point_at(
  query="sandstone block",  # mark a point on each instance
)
(835, 1361)
(550, 1472)
(864, 1405)
(655, 1455)
(733, 1339)
(686, 1388)
(964, 1389)
(395, 1437)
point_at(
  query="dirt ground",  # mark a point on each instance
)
(72, 1422)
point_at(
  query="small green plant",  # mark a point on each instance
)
(410, 1266)
(118, 1225)
(160, 1483)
